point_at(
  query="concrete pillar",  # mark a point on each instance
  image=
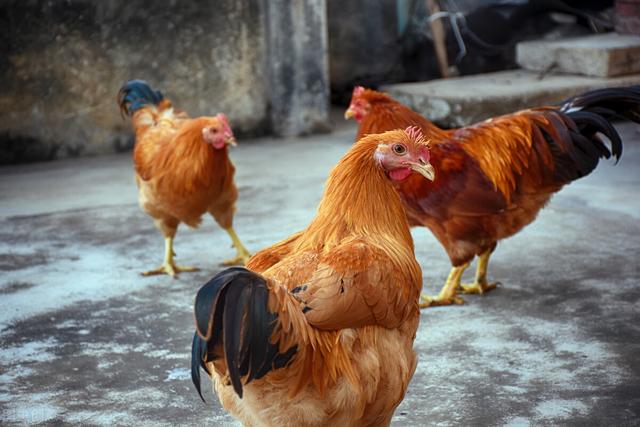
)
(297, 66)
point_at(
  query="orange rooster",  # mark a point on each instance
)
(319, 329)
(495, 176)
(182, 168)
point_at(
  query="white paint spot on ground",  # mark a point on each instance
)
(70, 323)
(36, 408)
(140, 399)
(34, 351)
(178, 374)
(164, 354)
(518, 422)
(15, 373)
(100, 349)
(108, 418)
(104, 364)
(563, 409)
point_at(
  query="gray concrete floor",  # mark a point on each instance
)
(85, 340)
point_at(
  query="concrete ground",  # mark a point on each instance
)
(85, 340)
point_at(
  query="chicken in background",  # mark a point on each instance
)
(319, 329)
(494, 177)
(182, 168)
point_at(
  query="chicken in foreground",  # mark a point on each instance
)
(182, 168)
(494, 177)
(319, 328)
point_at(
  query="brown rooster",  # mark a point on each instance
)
(182, 168)
(495, 176)
(319, 329)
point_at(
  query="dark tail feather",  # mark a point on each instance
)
(617, 99)
(198, 356)
(232, 314)
(136, 94)
(593, 112)
(591, 115)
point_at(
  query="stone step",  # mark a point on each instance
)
(600, 55)
(465, 100)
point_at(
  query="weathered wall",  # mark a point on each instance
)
(298, 65)
(62, 63)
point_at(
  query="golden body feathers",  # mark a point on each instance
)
(346, 292)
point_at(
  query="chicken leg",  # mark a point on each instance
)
(481, 284)
(169, 266)
(242, 255)
(447, 295)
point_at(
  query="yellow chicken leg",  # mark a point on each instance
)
(447, 295)
(168, 266)
(242, 255)
(481, 285)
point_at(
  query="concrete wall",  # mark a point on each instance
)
(62, 63)
(298, 65)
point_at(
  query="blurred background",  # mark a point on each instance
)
(274, 67)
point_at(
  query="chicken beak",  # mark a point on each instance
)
(349, 113)
(231, 141)
(425, 169)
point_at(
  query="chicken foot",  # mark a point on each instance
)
(169, 266)
(481, 284)
(447, 295)
(242, 255)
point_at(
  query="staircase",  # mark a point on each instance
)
(552, 70)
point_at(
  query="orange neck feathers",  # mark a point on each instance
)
(188, 162)
(358, 199)
(189, 144)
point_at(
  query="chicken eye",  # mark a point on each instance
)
(399, 149)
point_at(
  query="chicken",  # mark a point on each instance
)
(182, 168)
(319, 329)
(495, 176)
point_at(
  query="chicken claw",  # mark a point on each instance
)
(242, 255)
(169, 266)
(477, 287)
(447, 295)
(481, 284)
(429, 301)
(171, 269)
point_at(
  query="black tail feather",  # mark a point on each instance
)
(198, 356)
(231, 313)
(590, 115)
(590, 123)
(232, 319)
(136, 94)
(615, 98)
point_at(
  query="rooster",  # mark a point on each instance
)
(319, 328)
(182, 168)
(495, 176)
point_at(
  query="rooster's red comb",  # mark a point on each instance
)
(357, 91)
(223, 118)
(415, 133)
